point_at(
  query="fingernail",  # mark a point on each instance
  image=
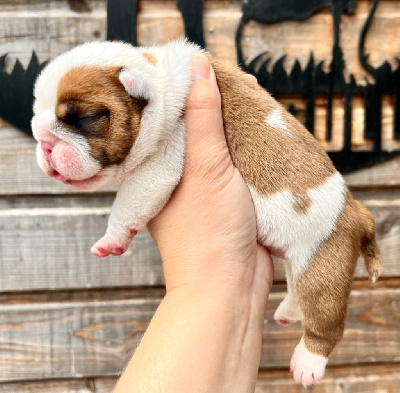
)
(200, 66)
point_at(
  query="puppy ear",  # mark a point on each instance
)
(136, 84)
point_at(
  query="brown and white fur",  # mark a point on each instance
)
(107, 112)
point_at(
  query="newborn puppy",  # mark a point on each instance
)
(109, 112)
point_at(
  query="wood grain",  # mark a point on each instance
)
(51, 386)
(19, 171)
(352, 379)
(20, 174)
(45, 243)
(50, 248)
(67, 339)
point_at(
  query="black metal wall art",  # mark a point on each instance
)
(16, 87)
(121, 20)
(16, 93)
(313, 80)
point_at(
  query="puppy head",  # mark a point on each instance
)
(91, 123)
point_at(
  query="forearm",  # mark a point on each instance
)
(203, 338)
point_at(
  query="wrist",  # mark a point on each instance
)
(197, 342)
(240, 289)
(209, 268)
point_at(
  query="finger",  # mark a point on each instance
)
(204, 93)
(203, 115)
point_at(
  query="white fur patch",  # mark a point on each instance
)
(168, 85)
(307, 367)
(299, 235)
(136, 84)
(275, 120)
(145, 192)
(288, 310)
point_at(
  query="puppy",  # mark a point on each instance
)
(108, 112)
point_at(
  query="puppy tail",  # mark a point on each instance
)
(369, 247)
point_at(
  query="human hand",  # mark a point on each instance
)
(206, 334)
(211, 214)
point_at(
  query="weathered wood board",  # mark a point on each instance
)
(20, 174)
(77, 338)
(46, 244)
(52, 251)
(354, 379)
(53, 386)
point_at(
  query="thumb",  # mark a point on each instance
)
(203, 114)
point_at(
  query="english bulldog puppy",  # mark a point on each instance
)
(107, 112)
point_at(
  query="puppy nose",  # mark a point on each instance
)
(47, 149)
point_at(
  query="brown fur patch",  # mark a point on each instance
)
(271, 161)
(369, 248)
(268, 159)
(150, 58)
(324, 288)
(302, 204)
(92, 102)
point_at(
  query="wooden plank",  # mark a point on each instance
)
(380, 175)
(67, 339)
(355, 379)
(55, 234)
(54, 251)
(19, 171)
(57, 386)
(48, 29)
(20, 174)
(383, 378)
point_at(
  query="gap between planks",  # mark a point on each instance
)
(150, 292)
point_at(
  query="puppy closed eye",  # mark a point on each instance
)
(87, 122)
(91, 117)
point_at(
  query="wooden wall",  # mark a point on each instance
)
(69, 322)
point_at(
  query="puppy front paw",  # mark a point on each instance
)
(112, 245)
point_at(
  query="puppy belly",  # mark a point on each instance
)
(298, 233)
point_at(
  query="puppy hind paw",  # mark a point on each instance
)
(288, 312)
(284, 322)
(307, 367)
